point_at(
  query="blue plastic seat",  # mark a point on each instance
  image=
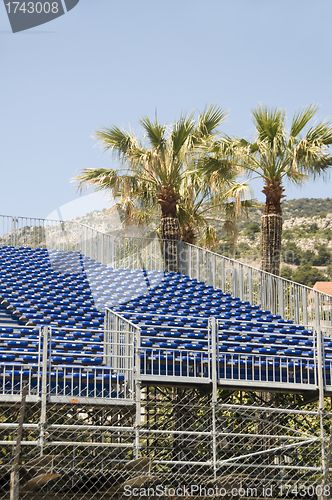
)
(7, 357)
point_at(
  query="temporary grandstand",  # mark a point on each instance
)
(214, 377)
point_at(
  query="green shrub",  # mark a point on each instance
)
(323, 258)
(251, 230)
(308, 275)
(291, 253)
(286, 272)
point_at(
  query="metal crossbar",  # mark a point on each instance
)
(67, 376)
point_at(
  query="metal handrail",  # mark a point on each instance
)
(290, 300)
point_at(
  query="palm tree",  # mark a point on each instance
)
(155, 167)
(204, 201)
(275, 155)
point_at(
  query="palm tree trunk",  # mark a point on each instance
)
(272, 226)
(170, 234)
(169, 228)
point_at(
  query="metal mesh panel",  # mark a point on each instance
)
(172, 438)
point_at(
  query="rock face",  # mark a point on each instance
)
(322, 222)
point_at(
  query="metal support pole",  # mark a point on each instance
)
(296, 306)
(321, 418)
(198, 260)
(320, 354)
(305, 305)
(214, 374)
(214, 271)
(234, 282)
(223, 275)
(280, 302)
(320, 368)
(214, 354)
(250, 298)
(327, 469)
(138, 391)
(14, 476)
(241, 282)
(43, 391)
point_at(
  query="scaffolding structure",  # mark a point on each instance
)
(169, 433)
(229, 444)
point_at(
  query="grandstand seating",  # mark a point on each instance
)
(69, 292)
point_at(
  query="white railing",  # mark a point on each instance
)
(61, 369)
(121, 344)
(209, 360)
(292, 301)
(114, 251)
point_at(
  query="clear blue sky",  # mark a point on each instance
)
(109, 62)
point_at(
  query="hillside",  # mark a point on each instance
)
(306, 243)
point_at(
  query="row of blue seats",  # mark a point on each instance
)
(50, 297)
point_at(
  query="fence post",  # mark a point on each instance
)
(305, 305)
(138, 390)
(214, 271)
(235, 288)
(241, 282)
(14, 227)
(107, 355)
(208, 267)
(263, 292)
(198, 264)
(280, 308)
(214, 377)
(223, 276)
(327, 468)
(296, 306)
(14, 476)
(44, 364)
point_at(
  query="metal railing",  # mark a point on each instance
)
(292, 301)
(121, 342)
(61, 369)
(207, 360)
(114, 251)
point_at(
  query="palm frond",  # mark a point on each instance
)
(154, 131)
(122, 142)
(270, 124)
(181, 132)
(301, 118)
(209, 120)
(98, 178)
(321, 134)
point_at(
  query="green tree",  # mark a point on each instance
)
(307, 257)
(251, 230)
(291, 253)
(323, 258)
(201, 202)
(286, 272)
(155, 167)
(275, 155)
(308, 275)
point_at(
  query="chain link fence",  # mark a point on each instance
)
(174, 442)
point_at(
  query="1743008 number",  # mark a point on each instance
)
(303, 490)
(32, 8)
